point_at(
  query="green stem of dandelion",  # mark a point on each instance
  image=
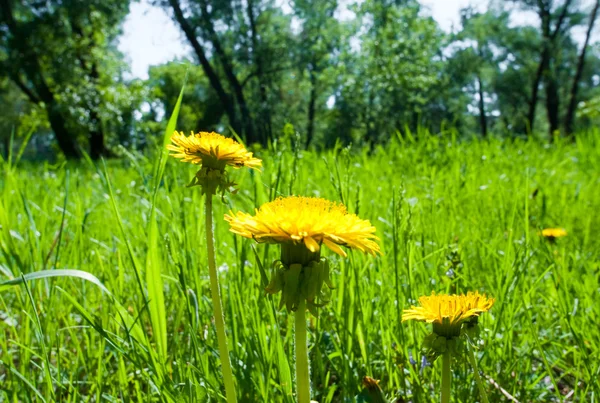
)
(217, 306)
(473, 361)
(446, 377)
(302, 366)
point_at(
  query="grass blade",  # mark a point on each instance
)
(154, 281)
(54, 273)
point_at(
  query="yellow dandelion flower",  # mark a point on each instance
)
(372, 391)
(306, 220)
(448, 312)
(211, 150)
(553, 233)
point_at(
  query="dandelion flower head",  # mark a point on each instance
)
(306, 220)
(553, 232)
(449, 310)
(211, 150)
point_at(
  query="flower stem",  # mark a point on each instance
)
(446, 377)
(302, 366)
(473, 361)
(217, 306)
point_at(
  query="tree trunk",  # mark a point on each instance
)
(544, 14)
(548, 41)
(30, 94)
(482, 116)
(97, 144)
(213, 78)
(6, 143)
(535, 90)
(63, 136)
(552, 102)
(569, 120)
(371, 134)
(238, 92)
(96, 136)
(265, 110)
(246, 117)
(311, 107)
(33, 72)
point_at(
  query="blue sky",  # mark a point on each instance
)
(150, 37)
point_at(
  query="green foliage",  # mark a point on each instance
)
(200, 108)
(591, 109)
(475, 207)
(340, 72)
(61, 55)
(20, 119)
(395, 73)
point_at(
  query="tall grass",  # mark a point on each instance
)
(452, 216)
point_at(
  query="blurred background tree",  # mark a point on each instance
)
(339, 71)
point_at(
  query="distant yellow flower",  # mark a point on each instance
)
(372, 391)
(553, 233)
(211, 150)
(448, 312)
(309, 221)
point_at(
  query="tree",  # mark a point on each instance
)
(511, 82)
(392, 77)
(553, 20)
(19, 116)
(479, 54)
(60, 55)
(238, 43)
(506, 61)
(319, 40)
(200, 109)
(25, 69)
(569, 120)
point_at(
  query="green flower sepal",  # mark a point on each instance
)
(435, 346)
(298, 281)
(213, 180)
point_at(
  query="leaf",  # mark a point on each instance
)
(134, 327)
(55, 273)
(154, 281)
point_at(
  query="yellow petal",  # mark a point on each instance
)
(310, 220)
(334, 247)
(311, 244)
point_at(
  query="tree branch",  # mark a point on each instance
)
(212, 76)
(271, 71)
(221, 54)
(30, 94)
(579, 72)
(561, 20)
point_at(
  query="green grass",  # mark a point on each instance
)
(471, 208)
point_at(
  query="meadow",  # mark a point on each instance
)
(452, 216)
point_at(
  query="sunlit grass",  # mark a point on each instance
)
(452, 217)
